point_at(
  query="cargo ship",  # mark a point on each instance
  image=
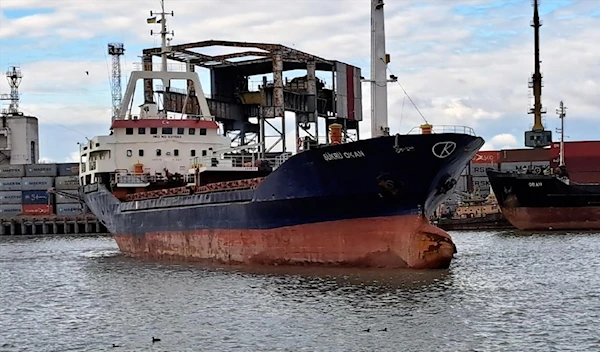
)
(532, 198)
(547, 202)
(339, 203)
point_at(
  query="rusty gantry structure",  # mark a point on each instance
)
(233, 101)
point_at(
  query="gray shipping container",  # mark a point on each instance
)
(68, 169)
(10, 184)
(40, 170)
(36, 183)
(69, 209)
(518, 166)
(482, 183)
(62, 199)
(10, 197)
(478, 170)
(12, 171)
(10, 210)
(67, 182)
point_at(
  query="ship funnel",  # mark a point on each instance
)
(335, 133)
(426, 128)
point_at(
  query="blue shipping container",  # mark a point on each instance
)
(68, 169)
(35, 197)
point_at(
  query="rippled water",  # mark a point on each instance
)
(503, 292)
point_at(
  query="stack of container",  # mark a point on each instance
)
(34, 186)
(24, 189)
(515, 160)
(67, 181)
(481, 162)
(10, 190)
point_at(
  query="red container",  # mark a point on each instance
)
(582, 164)
(584, 177)
(517, 155)
(37, 209)
(578, 149)
(486, 157)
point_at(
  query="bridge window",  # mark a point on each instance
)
(142, 130)
(158, 152)
(203, 131)
(129, 152)
(204, 153)
(192, 131)
(141, 152)
(176, 152)
(129, 130)
(167, 130)
(181, 130)
(153, 130)
(193, 152)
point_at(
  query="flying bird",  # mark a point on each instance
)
(87, 73)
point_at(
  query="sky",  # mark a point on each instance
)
(462, 62)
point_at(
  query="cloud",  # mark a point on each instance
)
(69, 114)
(73, 157)
(501, 141)
(462, 62)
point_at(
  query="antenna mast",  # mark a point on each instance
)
(165, 42)
(116, 50)
(379, 61)
(562, 112)
(14, 77)
(537, 137)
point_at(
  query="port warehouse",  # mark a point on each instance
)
(582, 159)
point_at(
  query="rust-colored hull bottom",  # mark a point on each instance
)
(391, 242)
(576, 218)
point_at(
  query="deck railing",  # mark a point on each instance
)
(237, 161)
(126, 177)
(437, 129)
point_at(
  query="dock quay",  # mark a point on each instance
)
(51, 225)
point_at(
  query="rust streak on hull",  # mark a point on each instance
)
(568, 218)
(391, 242)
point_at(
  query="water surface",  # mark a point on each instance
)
(503, 292)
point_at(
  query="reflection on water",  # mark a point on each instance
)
(504, 292)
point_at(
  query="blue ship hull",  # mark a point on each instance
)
(360, 203)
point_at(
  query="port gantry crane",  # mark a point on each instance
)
(538, 137)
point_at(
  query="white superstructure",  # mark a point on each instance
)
(150, 144)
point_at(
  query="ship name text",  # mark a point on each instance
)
(343, 155)
(167, 137)
(535, 184)
(400, 149)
